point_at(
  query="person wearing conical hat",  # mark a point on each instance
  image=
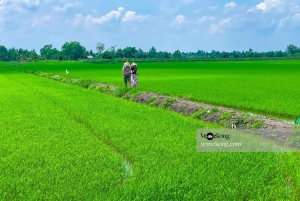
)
(126, 72)
(134, 75)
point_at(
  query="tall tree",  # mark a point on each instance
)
(279, 53)
(100, 48)
(3, 53)
(250, 53)
(33, 55)
(152, 53)
(13, 54)
(113, 51)
(177, 54)
(46, 51)
(292, 49)
(56, 54)
(107, 55)
(129, 52)
(73, 50)
(140, 54)
(119, 53)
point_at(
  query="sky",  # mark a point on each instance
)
(168, 25)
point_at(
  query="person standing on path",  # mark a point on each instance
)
(126, 71)
(134, 75)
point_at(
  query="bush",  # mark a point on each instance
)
(199, 114)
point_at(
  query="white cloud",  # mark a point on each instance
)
(65, 7)
(267, 5)
(40, 21)
(205, 18)
(283, 21)
(89, 19)
(179, 20)
(294, 7)
(296, 17)
(132, 16)
(224, 21)
(109, 16)
(218, 27)
(251, 10)
(230, 4)
(197, 10)
(17, 5)
(270, 24)
(79, 18)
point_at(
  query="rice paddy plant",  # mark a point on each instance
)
(46, 153)
(261, 87)
(68, 143)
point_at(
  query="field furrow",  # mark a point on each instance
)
(49, 150)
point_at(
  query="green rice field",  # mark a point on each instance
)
(8, 64)
(63, 142)
(269, 88)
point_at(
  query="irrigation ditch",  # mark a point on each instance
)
(226, 117)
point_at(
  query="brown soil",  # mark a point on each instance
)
(227, 117)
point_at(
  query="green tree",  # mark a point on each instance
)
(269, 54)
(23, 54)
(113, 51)
(235, 54)
(279, 54)
(107, 54)
(250, 53)
(292, 49)
(152, 53)
(100, 48)
(129, 52)
(140, 54)
(167, 55)
(3, 53)
(73, 50)
(12, 54)
(225, 54)
(177, 54)
(119, 53)
(46, 51)
(160, 55)
(33, 55)
(56, 54)
(91, 53)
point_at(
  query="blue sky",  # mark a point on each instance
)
(168, 25)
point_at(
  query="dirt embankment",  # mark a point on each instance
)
(225, 116)
(271, 128)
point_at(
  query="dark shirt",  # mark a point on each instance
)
(133, 70)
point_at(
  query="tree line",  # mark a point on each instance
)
(75, 51)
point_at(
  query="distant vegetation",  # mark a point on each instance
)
(75, 51)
